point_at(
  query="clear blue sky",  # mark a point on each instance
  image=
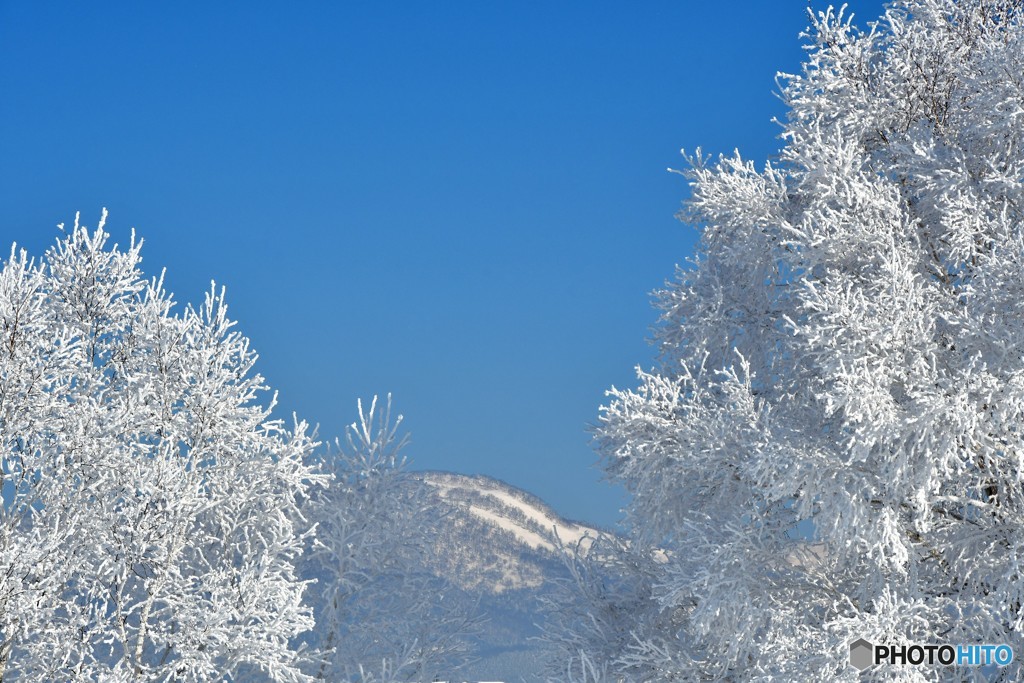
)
(461, 203)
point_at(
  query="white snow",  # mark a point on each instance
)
(530, 538)
(569, 534)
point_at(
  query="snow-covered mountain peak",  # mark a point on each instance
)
(526, 517)
(502, 548)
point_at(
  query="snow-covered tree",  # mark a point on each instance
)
(594, 617)
(381, 615)
(832, 444)
(150, 526)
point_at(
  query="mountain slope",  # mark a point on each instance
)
(497, 537)
(502, 549)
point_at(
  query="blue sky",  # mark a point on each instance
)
(462, 203)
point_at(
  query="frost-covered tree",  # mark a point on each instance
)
(381, 615)
(832, 444)
(594, 617)
(150, 525)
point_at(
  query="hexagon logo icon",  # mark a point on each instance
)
(860, 654)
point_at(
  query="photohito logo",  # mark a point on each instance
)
(863, 654)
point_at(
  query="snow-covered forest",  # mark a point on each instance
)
(828, 449)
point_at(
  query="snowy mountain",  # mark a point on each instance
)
(500, 547)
